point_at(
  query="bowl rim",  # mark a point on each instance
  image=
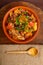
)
(18, 41)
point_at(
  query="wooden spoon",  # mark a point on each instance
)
(31, 51)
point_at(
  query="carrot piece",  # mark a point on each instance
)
(9, 26)
(31, 24)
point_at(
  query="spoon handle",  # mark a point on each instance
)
(16, 52)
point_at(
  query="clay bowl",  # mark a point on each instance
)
(28, 39)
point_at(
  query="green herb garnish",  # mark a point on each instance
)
(25, 12)
(19, 8)
(17, 28)
(17, 21)
(9, 20)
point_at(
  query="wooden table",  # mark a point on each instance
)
(39, 38)
(38, 3)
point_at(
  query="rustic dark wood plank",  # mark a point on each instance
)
(38, 3)
(4, 39)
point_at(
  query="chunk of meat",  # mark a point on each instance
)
(21, 38)
(28, 34)
(17, 11)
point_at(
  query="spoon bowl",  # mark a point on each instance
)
(32, 51)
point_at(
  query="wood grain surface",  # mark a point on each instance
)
(38, 3)
(39, 39)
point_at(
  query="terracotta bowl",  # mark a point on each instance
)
(28, 39)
